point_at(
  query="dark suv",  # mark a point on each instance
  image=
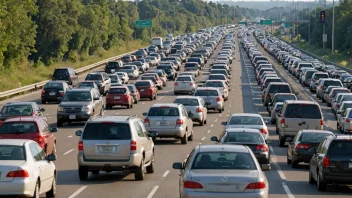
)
(67, 74)
(332, 162)
(112, 66)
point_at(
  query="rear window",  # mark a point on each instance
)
(18, 127)
(264, 70)
(191, 65)
(117, 91)
(206, 93)
(152, 78)
(187, 101)
(142, 84)
(131, 88)
(54, 86)
(126, 59)
(77, 96)
(254, 138)
(9, 152)
(16, 110)
(61, 72)
(309, 74)
(183, 78)
(217, 77)
(340, 91)
(283, 98)
(313, 137)
(214, 84)
(113, 78)
(93, 77)
(220, 71)
(112, 64)
(332, 83)
(341, 148)
(318, 76)
(279, 89)
(163, 111)
(224, 160)
(128, 67)
(86, 84)
(107, 131)
(309, 111)
(272, 80)
(245, 120)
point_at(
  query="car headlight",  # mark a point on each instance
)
(59, 108)
(87, 108)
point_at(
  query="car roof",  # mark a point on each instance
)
(246, 114)
(24, 119)
(14, 142)
(166, 104)
(239, 130)
(19, 103)
(222, 147)
(300, 102)
(118, 119)
(80, 89)
(207, 88)
(316, 131)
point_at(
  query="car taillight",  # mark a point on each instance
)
(282, 122)
(262, 147)
(192, 185)
(348, 120)
(43, 92)
(264, 131)
(337, 105)
(321, 124)
(39, 139)
(61, 93)
(303, 146)
(190, 84)
(80, 145)
(18, 173)
(126, 96)
(179, 121)
(146, 121)
(133, 145)
(218, 99)
(199, 110)
(326, 162)
(256, 185)
(150, 90)
(176, 84)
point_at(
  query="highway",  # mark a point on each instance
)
(245, 96)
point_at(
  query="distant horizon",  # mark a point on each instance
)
(268, 0)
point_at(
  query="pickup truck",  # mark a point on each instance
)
(131, 70)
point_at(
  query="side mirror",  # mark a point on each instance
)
(153, 134)
(53, 130)
(51, 157)
(78, 133)
(224, 123)
(145, 114)
(214, 138)
(177, 165)
(42, 110)
(265, 167)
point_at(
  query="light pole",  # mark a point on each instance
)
(174, 16)
(333, 28)
(324, 25)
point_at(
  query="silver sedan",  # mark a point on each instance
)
(195, 105)
(215, 171)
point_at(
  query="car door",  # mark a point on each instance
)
(189, 120)
(40, 164)
(97, 100)
(49, 136)
(148, 142)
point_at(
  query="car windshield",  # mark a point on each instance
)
(206, 93)
(318, 76)
(18, 127)
(283, 98)
(113, 78)
(184, 78)
(77, 96)
(309, 74)
(245, 120)
(163, 111)
(86, 84)
(54, 86)
(279, 89)
(341, 148)
(313, 137)
(309, 111)
(244, 138)
(106, 131)
(217, 77)
(93, 77)
(117, 91)
(23, 110)
(224, 160)
(214, 84)
(142, 84)
(187, 101)
(220, 71)
(9, 152)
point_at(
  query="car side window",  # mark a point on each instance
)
(45, 126)
(41, 126)
(35, 153)
(144, 130)
(296, 136)
(138, 129)
(189, 158)
(41, 152)
(36, 108)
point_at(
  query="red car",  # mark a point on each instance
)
(33, 128)
(119, 95)
(146, 89)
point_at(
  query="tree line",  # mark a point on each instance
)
(47, 31)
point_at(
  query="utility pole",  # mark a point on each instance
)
(315, 23)
(174, 20)
(159, 23)
(309, 7)
(333, 28)
(324, 25)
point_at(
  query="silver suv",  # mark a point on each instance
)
(115, 143)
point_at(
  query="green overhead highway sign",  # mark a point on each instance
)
(243, 22)
(266, 22)
(144, 23)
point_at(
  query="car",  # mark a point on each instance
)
(195, 105)
(158, 80)
(212, 97)
(344, 120)
(302, 146)
(67, 74)
(101, 79)
(214, 170)
(270, 80)
(169, 120)
(124, 77)
(331, 162)
(185, 84)
(121, 138)
(146, 89)
(134, 93)
(324, 83)
(247, 120)
(119, 95)
(273, 113)
(274, 88)
(112, 66)
(333, 92)
(315, 78)
(28, 171)
(88, 84)
(296, 114)
(219, 84)
(79, 105)
(52, 90)
(22, 109)
(115, 78)
(280, 97)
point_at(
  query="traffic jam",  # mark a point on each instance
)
(125, 115)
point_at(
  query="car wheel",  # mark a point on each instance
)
(201, 123)
(36, 190)
(96, 172)
(288, 161)
(190, 138)
(294, 164)
(139, 172)
(151, 98)
(155, 97)
(52, 192)
(220, 110)
(135, 101)
(282, 141)
(311, 179)
(184, 139)
(131, 105)
(320, 184)
(150, 168)
(128, 106)
(43, 102)
(59, 123)
(83, 173)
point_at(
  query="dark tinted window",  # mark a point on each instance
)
(341, 148)
(77, 96)
(163, 111)
(9, 152)
(214, 84)
(318, 76)
(303, 111)
(107, 131)
(245, 120)
(206, 93)
(54, 86)
(272, 80)
(217, 77)
(18, 127)
(340, 91)
(183, 78)
(93, 77)
(313, 137)
(254, 138)
(309, 74)
(279, 89)
(117, 91)
(187, 101)
(113, 78)
(61, 72)
(86, 84)
(131, 88)
(142, 84)
(331, 83)
(112, 64)
(191, 65)
(152, 78)
(283, 98)
(126, 59)
(25, 110)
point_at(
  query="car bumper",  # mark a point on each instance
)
(184, 90)
(302, 157)
(214, 106)
(146, 95)
(165, 132)
(117, 102)
(19, 187)
(193, 194)
(197, 117)
(134, 161)
(263, 158)
(340, 178)
(74, 116)
(50, 98)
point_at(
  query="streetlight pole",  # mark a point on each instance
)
(309, 15)
(324, 25)
(333, 28)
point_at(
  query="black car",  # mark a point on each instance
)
(53, 90)
(112, 66)
(66, 74)
(332, 162)
(303, 144)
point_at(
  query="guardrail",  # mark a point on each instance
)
(39, 85)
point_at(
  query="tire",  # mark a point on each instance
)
(311, 179)
(155, 97)
(59, 123)
(36, 190)
(128, 106)
(190, 138)
(184, 139)
(135, 101)
(150, 168)
(139, 172)
(52, 192)
(323, 100)
(151, 98)
(288, 161)
(96, 172)
(282, 141)
(294, 164)
(201, 123)
(43, 102)
(83, 173)
(131, 105)
(321, 186)
(220, 110)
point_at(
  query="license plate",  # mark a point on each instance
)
(106, 149)
(117, 97)
(52, 93)
(142, 89)
(72, 117)
(163, 123)
(350, 165)
(112, 70)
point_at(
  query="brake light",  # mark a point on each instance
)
(80, 145)
(133, 145)
(303, 146)
(282, 122)
(43, 92)
(267, 95)
(348, 120)
(321, 124)
(218, 99)
(39, 139)
(150, 90)
(126, 96)
(337, 105)
(193, 185)
(264, 131)
(199, 110)
(176, 84)
(62, 93)
(179, 121)
(262, 147)
(146, 121)
(19, 173)
(190, 84)
(256, 185)
(326, 162)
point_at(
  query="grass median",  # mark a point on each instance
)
(27, 74)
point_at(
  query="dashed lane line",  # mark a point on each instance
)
(203, 138)
(68, 151)
(165, 174)
(209, 131)
(78, 191)
(151, 194)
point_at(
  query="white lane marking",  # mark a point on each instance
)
(70, 136)
(48, 117)
(216, 119)
(116, 113)
(160, 98)
(209, 131)
(151, 194)
(200, 143)
(211, 125)
(220, 115)
(227, 115)
(46, 114)
(69, 151)
(276, 164)
(143, 102)
(165, 174)
(203, 138)
(287, 190)
(78, 191)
